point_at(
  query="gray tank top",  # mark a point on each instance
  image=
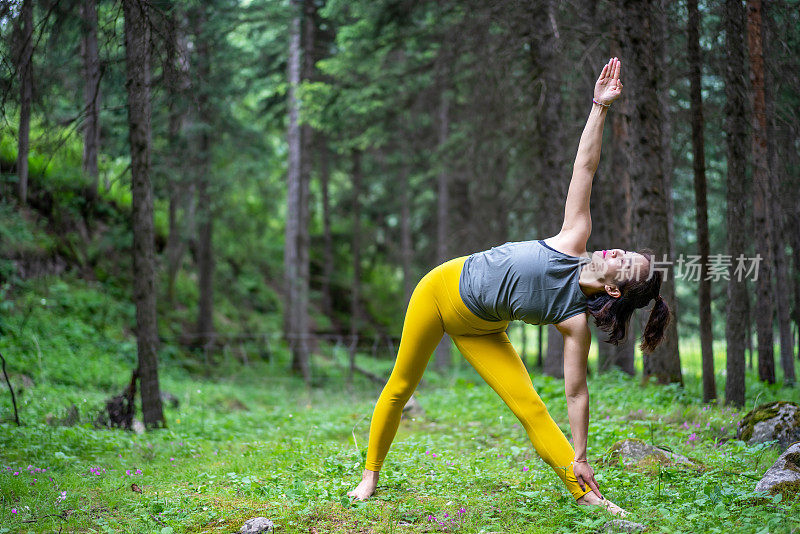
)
(526, 280)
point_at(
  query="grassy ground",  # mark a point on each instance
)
(248, 441)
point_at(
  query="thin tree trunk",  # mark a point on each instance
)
(137, 61)
(205, 209)
(91, 96)
(355, 304)
(737, 194)
(294, 308)
(701, 201)
(780, 230)
(327, 235)
(442, 358)
(762, 216)
(406, 247)
(25, 70)
(176, 74)
(554, 358)
(643, 28)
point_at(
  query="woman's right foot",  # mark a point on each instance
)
(590, 499)
(369, 481)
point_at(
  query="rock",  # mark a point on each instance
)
(620, 525)
(784, 475)
(257, 525)
(413, 408)
(137, 427)
(775, 421)
(637, 453)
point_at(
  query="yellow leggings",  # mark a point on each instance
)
(435, 308)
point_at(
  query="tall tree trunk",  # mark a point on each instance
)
(736, 139)
(762, 201)
(327, 235)
(355, 303)
(779, 193)
(205, 204)
(701, 201)
(25, 70)
(545, 52)
(176, 74)
(137, 62)
(295, 311)
(91, 96)
(406, 246)
(614, 224)
(554, 357)
(442, 358)
(643, 29)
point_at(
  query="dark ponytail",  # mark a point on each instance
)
(612, 315)
(656, 325)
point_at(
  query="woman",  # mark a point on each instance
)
(554, 281)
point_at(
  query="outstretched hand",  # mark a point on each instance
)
(608, 87)
(585, 477)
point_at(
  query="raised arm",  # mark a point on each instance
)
(577, 218)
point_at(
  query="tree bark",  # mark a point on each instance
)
(406, 246)
(180, 197)
(296, 302)
(643, 29)
(327, 235)
(137, 62)
(762, 200)
(355, 303)
(779, 193)
(91, 96)
(701, 201)
(554, 357)
(442, 357)
(737, 194)
(25, 70)
(205, 208)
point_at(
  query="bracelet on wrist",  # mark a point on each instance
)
(580, 461)
(601, 104)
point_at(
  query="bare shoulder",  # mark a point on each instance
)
(570, 243)
(577, 325)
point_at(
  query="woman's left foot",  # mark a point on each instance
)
(590, 499)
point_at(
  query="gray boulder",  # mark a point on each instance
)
(257, 525)
(412, 409)
(620, 525)
(775, 421)
(638, 454)
(784, 475)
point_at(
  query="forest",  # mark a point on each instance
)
(214, 214)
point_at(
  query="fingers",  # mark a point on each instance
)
(617, 68)
(603, 73)
(594, 487)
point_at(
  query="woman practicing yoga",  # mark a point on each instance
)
(554, 281)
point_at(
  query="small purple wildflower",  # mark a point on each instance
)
(692, 436)
(13, 510)
(524, 468)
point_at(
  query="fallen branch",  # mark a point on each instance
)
(11, 389)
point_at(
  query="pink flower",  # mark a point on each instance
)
(524, 468)
(172, 459)
(13, 510)
(433, 455)
(692, 436)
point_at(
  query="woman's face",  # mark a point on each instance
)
(617, 265)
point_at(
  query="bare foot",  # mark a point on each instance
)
(369, 480)
(590, 499)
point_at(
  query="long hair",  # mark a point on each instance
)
(612, 315)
